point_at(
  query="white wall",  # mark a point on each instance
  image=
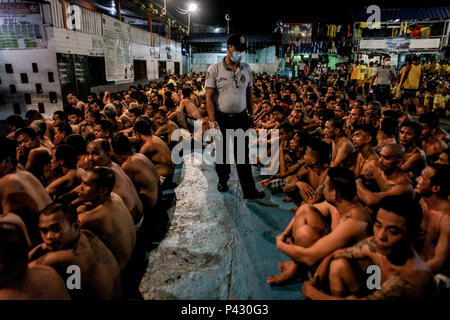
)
(21, 61)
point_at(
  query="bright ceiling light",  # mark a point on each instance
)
(192, 7)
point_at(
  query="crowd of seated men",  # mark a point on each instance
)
(369, 184)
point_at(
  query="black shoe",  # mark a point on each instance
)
(222, 186)
(255, 195)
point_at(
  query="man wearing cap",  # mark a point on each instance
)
(228, 97)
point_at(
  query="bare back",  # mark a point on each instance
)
(159, 153)
(22, 193)
(100, 272)
(125, 189)
(111, 222)
(145, 177)
(38, 283)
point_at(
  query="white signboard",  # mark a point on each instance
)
(425, 43)
(21, 26)
(118, 59)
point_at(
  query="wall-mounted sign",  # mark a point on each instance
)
(296, 33)
(21, 26)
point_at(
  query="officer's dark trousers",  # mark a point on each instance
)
(223, 169)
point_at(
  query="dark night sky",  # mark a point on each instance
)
(260, 16)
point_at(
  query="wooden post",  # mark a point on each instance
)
(150, 27)
(119, 14)
(63, 7)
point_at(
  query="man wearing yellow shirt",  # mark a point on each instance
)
(411, 82)
(368, 78)
(362, 74)
(354, 74)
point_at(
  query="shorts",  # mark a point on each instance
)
(409, 93)
(276, 185)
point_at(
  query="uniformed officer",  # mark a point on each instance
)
(228, 97)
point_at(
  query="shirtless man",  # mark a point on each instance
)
(317, 157)
(41, 128)
(104, 213)
(404, 274)
(165, 126)
(366, 160)
(390, 178)
(31, 155)
(190, 110)
(433, 187)
(431, 144)
(305, 240)
(20, 191)
(66, 245)
(342, 148)
(139, 169)
(99, 154)
(17, 280)
(156, 150)
(64, 164)
(415, 159)
(443, 158)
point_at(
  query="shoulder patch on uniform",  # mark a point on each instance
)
(242, 78)
(207, 75)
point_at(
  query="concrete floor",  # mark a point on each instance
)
(218, 246)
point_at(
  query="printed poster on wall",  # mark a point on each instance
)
(118, 59)
(297, 33)
(21, 26)
(397, 44)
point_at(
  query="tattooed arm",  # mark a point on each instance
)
(395, 287)
(363, 249)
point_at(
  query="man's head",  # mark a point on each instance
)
(75, 115)
(62, 131)
(429, 122)
(340, 111)
(71, 99)
(339, 185)
(60, 117)
(160, 117)
(285, 131)
(99, 152)
(333, 128)
(15, 122)
(236, 46)
(364, 134)
(13, 251)
(134, 113)
(65, 156)
(356, 116)
(278, 113)
(59, 226)
(40, 127)
(27, 139)
(331, 103)
(317, 152)
(434, 180)
(443, 158)
(391, 157)
(122, 148)
(103, 130)
(409, 132)
(97, 184)
(397, 225)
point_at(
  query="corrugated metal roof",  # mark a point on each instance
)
(436, 13)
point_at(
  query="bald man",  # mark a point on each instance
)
(66, 245)
(104, 213)
(390, 178)
(99, 154)
(17, 280)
